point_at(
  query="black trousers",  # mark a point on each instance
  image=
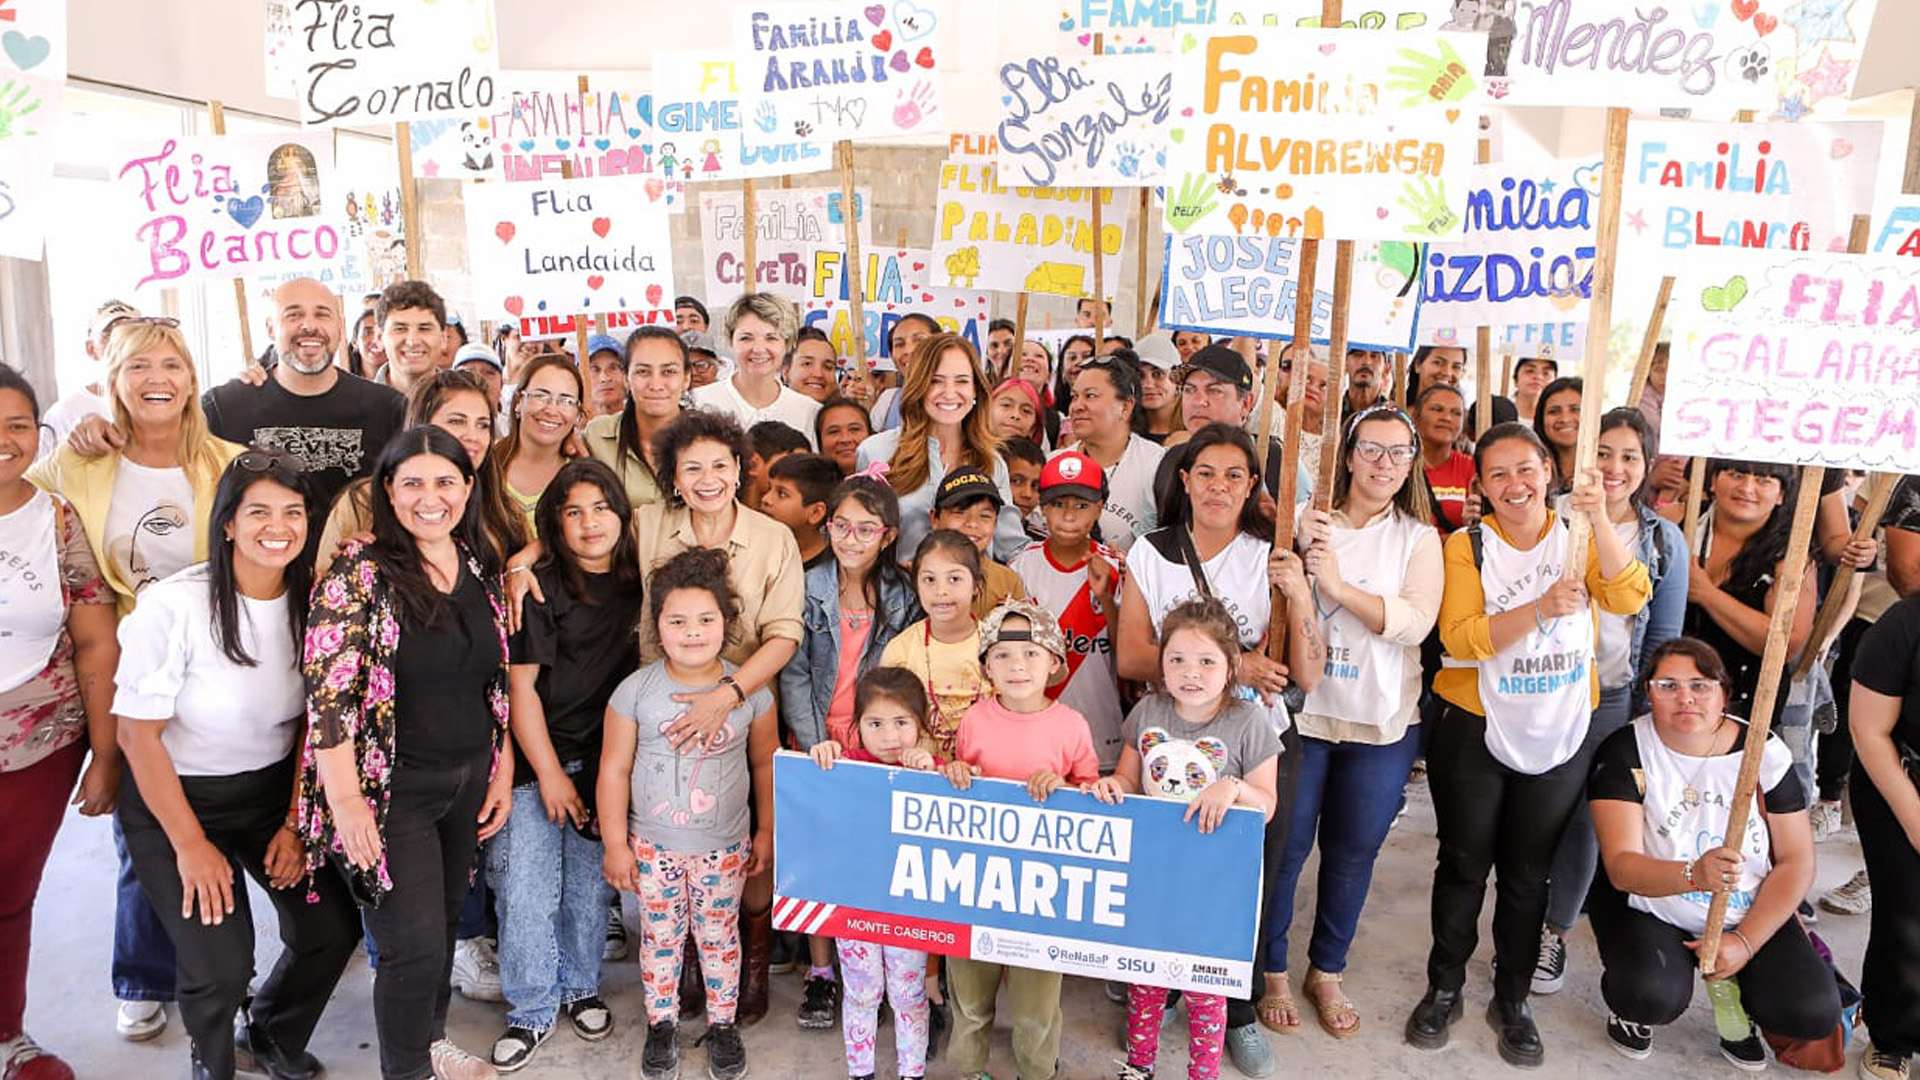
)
(240, 814)
(1834, 753)
(1492, 819)
(1650, 973)
(431, 840)
(1890, 970)
(1240, 1011)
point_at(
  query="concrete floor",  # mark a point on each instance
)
(71, 1009)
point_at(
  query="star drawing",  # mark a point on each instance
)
(1826, 79)
(1821, 20)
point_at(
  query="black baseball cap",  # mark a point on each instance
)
(962, 486)
(1225, 364)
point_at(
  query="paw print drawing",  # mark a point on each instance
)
(802, 128)
(1751, 62)
(767, 118)
(911, 107)
(1126, 159)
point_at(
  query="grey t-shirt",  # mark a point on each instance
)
(1178, 759)
(691, 802)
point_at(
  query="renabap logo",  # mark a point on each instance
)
(1074, 956)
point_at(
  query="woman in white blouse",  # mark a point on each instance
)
(211, 706)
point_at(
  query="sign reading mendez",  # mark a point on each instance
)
(1069, 885)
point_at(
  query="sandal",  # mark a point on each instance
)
(1277, 1010)
(1338, 1017)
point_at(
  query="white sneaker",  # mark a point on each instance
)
(1853, 898)
(452, 1063)
(476, 970)
(1826, 819)
(139, 1021)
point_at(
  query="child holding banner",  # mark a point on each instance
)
(1198, 742)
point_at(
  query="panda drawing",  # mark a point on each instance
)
(1177, 769)
(478, 145)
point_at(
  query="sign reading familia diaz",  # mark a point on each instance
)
(1069, 885)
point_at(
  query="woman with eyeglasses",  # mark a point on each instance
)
(546, 411)
(1661, 795)
(1375, 564)
(1504, 759)
(406, 766)
(657, 387)
(211, 709)
(144, 506)
(1106, 394)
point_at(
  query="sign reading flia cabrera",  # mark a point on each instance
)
(1127, 892)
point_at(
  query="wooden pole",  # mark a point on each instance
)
(1099, 282)
(1650, 343)
(1599, 331)
(1020, 338)
(1336, 375)
(1148, 312)
(1696, 495)
(750, 240)
(217, 120)
(856, 288)
(1482, 381)
(1879, 492)
(409, 201)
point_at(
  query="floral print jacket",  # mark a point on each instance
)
(353, 632)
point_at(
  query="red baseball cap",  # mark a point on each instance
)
(1071, 472)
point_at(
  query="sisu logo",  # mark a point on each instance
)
(1130, 964)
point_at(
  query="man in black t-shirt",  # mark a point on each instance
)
(333, 421)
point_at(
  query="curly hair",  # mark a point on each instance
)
(692, 426)
(402, 295)
(695, 568)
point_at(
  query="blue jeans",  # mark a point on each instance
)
(552, 903)
(143, 963)
(1349, 794)
(1795, 725)
(1578, 857)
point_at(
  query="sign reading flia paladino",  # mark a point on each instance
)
(1128, 892)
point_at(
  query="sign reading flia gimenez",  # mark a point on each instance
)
(1070, 885)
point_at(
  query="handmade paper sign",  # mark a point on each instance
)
(1805, 358)
(794, 225)
(618, 323)
(1036, 239)
(584, 247)
(1897, 228)
(185, 208)
(547, 127)
(703, 127)
(1136, 26)
(1248, 285)
(457, 149)
(895, 282)
(1085, 120)
(33, 79)
(383, 61)
(1710, 56)
(1355, 134)
(841, 71)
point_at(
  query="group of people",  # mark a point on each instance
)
(448, 657)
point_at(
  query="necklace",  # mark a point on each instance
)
(1690, 794)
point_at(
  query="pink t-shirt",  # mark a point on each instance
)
(854, 628)
(1007, 745)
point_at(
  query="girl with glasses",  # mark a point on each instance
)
(546, 412)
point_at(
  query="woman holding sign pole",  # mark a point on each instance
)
(1504, 758)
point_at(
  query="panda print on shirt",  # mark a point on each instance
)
(1177, 768)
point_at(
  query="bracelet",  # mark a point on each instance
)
(1735, 931)
(518, 569)
(727, 681)
(1687, 869)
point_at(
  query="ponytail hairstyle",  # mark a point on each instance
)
(876, 498)
(1210, 618)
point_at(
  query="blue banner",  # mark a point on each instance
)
(1128, 892)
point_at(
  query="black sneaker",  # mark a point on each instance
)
(726, 1055)
(660, 1058)
(1630, 1040)
(1807, 915)
(1550, 971)
(515, 1048)
(1749, 1054)
(819, 1003)
(780, 958)
(591, 1018)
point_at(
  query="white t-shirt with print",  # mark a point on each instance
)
(792, 408)
(149, 523)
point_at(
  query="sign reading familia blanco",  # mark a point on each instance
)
(1070, 885)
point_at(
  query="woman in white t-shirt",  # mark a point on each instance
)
(1661, 793)
(1106, 394)
(762, 329)
(211, 703)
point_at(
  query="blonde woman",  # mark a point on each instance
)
(762, 329)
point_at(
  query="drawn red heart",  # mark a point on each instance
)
(1764, 23)
(926, 297)
(601, 225)
(925, 57)
(504, 231)
(884, 39)
(513, 305)
(595, 281)
(1744, 9)
(919, 266)
(654, 188)
(960, 303)
(653, 295)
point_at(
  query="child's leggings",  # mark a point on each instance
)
(703, 888)
(1206, 1030)
(866, 971)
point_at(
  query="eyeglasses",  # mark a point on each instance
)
(1671, 687)
(166, 322)
(262, 460)
(1373, 451)
(865, 531)
(540, 399)
(702, 365)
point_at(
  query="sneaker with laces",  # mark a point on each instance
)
(616, 946)
(512, 1050)
(660, 1058)
(1629, 1040)
(476, 970)
(726, 1054)
(590, 1017)
(23, 1059)
(1826, 820)
(1853, 898)
(1748, 1054)
(1878, 1064)
(452, 1063)
(819, 1003)
(1550, 971)
(1249, 1051)
(1134, 1072)
(138, 1021)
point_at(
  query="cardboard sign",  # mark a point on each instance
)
(1708, 56)
(1070, 885)
(793, 226)
(185, 208)
(1136, 26)
(894, 283)
(699, 121)
(584, 247)
(1897, 228)
(1084, 120)
(1355, 134)
(829, 70)
(1806, 358)
(1248, 285)
(1036, 239)
(33, 80)
(383, 61)
(619, 324)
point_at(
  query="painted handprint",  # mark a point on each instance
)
(1426, 203)
(1126, 159)
(911, 107)
(1196, 199)
(1431, 79)
(17, 102)
(767, 118)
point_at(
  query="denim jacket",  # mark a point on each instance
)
(1664, 551)
(806, 683)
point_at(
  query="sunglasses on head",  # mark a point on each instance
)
(258, 460)
(167, 322)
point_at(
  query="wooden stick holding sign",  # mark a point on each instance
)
(409, 201)
(1599, 328)
(217, 120)
(750, 239)
(1482, 381)
(856, 288)
(1879, 492)
(1019, 338)
(1144, 324)
(1336, 398)
(1650, 343)
(1099, 282)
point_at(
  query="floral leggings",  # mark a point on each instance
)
(866, 971)
(1206, 1030)
(676, 888)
